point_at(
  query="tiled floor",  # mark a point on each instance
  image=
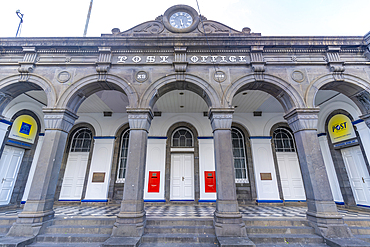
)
(188, 211)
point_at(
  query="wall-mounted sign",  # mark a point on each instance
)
(340, 128)
(266, 176)
(98, 177)
(24, 129)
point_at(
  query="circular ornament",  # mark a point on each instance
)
(219, 76)
(141, 76)
(297, 76)
(181, 19)
(63, 76)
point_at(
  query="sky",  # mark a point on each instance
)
(67, 18)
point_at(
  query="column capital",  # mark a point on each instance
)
(59, 119)
(221, 118)
(366, 118)
(302, 119)
(140, 118)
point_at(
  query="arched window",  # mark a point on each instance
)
(121, 171)
(283, 140)
(81, 141)
(182, 138)
(240, 163)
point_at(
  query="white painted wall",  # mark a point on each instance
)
(329, 165)
(264, 163)
(364, 133)
(3, 129)
(101, 162)
(155, 161)
(206, 163)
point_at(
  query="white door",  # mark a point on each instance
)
(290, 176)
(358, 174)
(9, 166)
(182, 173)
(74, 176)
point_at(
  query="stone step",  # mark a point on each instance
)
(98, 229)
(177, 245)
(48, 244)
(7, 220)
(71, 238)
(285, 238)
(358, 222)
(291, 245)
(280, 230)
(364, 237)
(84, 221)
(179, 222)
(275, 222)
(360, 230)
(179, 229)
(179, 238)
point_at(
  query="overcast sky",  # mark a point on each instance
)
(66, 18)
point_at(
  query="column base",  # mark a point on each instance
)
(129, 225)
(229, 225)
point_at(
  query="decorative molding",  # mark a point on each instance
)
(28, 63)
(180, 63)
(366, 118)
(302, 119)
(335, 63)
(221, 118)
(104, 63)
(364, 98)
(257, 62)
(59, 119)
(140, 119)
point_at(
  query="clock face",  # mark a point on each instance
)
(181, 20)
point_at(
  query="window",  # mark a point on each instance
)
(182, 138)
(240, 163)
(81, 141)
(121, 171)
(283, 140)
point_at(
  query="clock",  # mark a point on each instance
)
(181, 19)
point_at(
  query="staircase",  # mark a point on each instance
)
(5, 224)
(89, 232)
(179, 232)
(360, 228)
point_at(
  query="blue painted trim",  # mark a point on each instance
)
(19, 143)
(357, 121)
(6, 122)
(270, 201)
(207, 201)
(154, 200)
(181, 200)
(205, 137)
(295, 200)
(104, 137)
(94, 200)
(339, 203)
(23, 202)
(41, 134)
(260, 137)
(366, 206)
(321, 134)
(345, 143)
(69, 200)
(158, 137)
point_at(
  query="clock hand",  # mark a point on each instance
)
(182, 24)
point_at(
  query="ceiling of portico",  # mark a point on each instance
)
(182, 101)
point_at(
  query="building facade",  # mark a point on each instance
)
(184, 109)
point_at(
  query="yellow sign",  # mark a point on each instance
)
(340, 128)
(24, 128)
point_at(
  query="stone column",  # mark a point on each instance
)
(131, 218)
(366, 118)
(39, 206)
(322, 211)
(228, 221)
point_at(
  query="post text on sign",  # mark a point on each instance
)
(191, 59)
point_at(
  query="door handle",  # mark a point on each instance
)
(363, 180)
(2, 181)
(183, 178)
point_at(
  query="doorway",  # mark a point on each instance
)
(182, 177)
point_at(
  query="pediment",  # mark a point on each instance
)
(162, 26)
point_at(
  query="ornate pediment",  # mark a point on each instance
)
(181, 20)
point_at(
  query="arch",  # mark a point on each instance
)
(11, 87)
(76, 93)
(285, 93)
(169, 83)
(352, 86)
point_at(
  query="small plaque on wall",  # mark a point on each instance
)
(98, 177)
(266, 176)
